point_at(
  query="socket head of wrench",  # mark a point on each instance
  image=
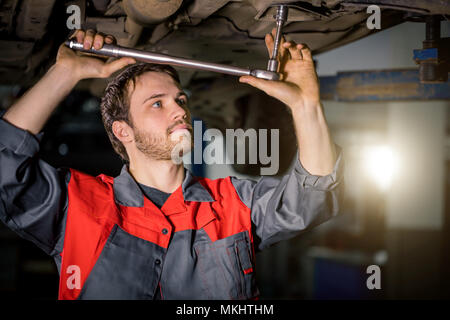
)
(272, 65)
(264, 74)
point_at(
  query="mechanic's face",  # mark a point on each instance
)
(161, 120)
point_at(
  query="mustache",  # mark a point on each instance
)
(188, 125)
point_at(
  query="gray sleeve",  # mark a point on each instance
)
(282, 209)
(33, 194)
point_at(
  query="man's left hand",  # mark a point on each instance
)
(299, 85)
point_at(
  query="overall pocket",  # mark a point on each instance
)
(226, 268)
(124, 269)
(242, 249)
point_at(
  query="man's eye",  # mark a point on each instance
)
(182, 102)
(157, 104)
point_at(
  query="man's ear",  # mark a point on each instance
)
(122, 131)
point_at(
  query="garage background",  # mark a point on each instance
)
(396, 213)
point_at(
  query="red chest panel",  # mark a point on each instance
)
(92, 213)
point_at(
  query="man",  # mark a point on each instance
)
(156, 231)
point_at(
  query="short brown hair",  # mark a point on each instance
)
(115, 104)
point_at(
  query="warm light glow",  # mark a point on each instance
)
(381, 165)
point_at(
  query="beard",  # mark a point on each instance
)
(164, 146)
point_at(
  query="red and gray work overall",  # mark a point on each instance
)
(200, 245)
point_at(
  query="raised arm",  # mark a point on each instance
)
(299, 90)
(33, 194)
(312, 191)
(32, 111)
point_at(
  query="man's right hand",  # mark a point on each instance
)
(83, 66)
(34, 108)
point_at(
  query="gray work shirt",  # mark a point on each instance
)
(34, 201)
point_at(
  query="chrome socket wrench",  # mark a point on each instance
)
(150, 57)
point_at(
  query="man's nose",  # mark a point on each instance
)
(179, 112)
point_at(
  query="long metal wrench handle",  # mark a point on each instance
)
(144, 56)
